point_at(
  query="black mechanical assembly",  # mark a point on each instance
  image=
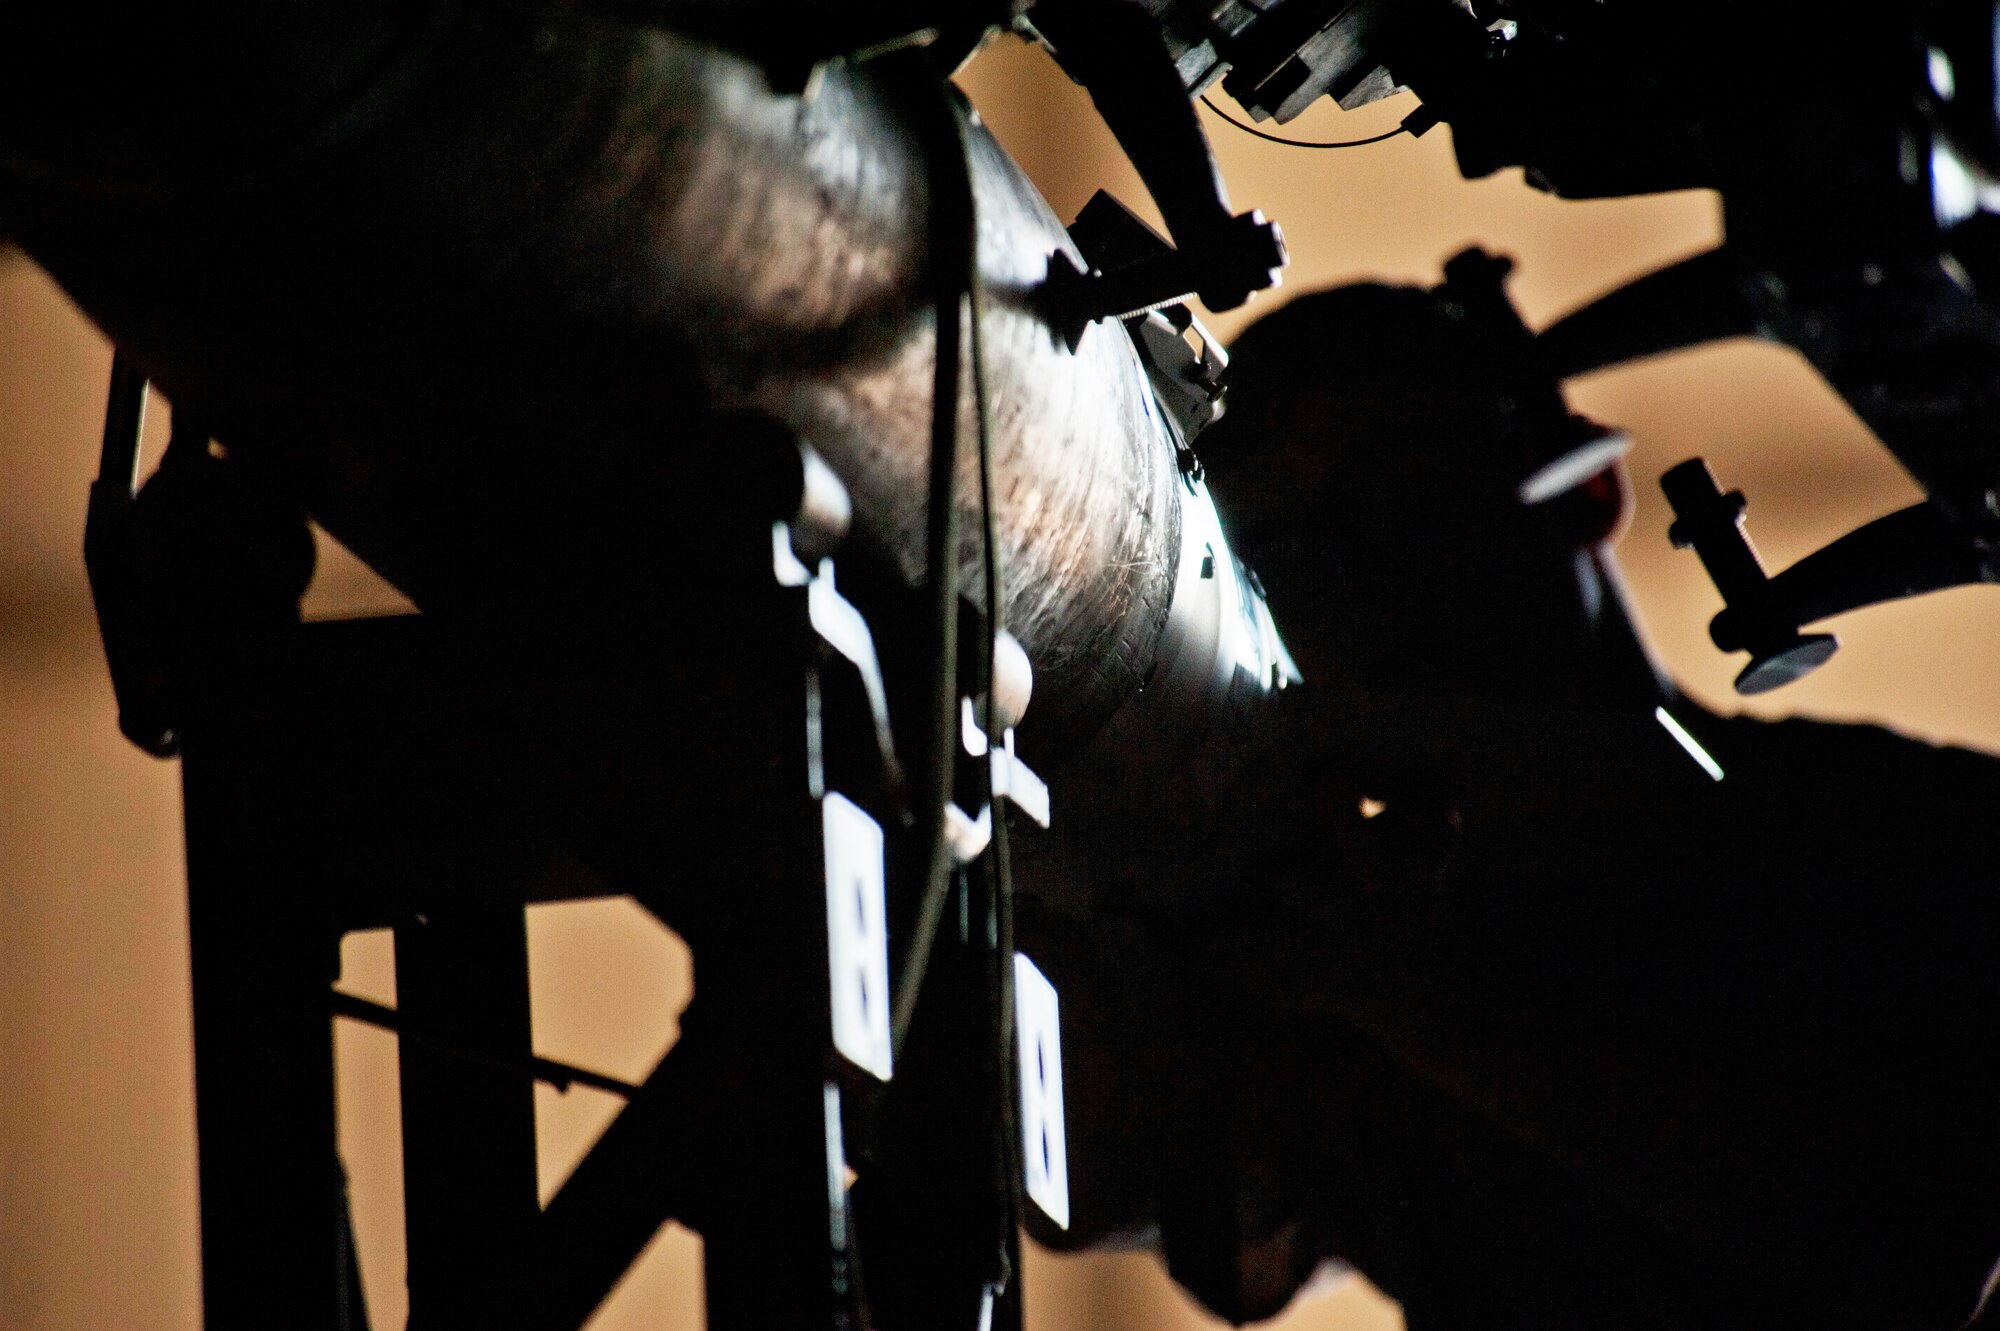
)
(632, 339)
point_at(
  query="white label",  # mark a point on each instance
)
(857, 935)
(1037, 1028)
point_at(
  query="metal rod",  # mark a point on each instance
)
(552, 1072)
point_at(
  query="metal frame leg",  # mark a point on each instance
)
(469, 1180)
(274, 1224)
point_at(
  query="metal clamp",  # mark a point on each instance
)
(1712, 523)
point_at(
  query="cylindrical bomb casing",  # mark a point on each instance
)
(479, 310)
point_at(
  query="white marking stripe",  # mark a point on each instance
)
(1688, 742)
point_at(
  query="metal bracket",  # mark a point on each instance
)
(1117, 52)
(1712, 523)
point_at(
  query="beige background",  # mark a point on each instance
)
(97, 1203)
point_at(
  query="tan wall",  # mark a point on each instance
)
(97, 1224)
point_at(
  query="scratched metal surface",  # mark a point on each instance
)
(469, 295)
